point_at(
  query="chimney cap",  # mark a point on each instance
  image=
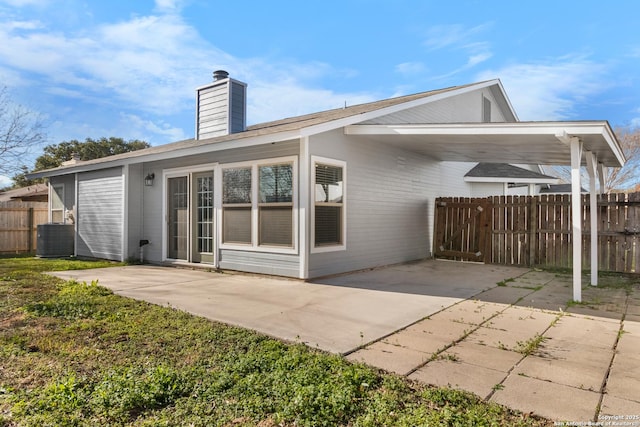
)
(220, 75)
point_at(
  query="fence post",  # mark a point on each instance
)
(30, 227)
(533, 230)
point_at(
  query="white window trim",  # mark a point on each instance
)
(254, 246)
(52, 191)
(331, 162)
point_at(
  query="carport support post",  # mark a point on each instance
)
(592, 162)
(576, 216)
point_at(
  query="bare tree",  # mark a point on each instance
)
(20, 130)
(616, 179)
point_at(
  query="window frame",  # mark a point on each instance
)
(255, 245)
(238, 205)
(60, 195)
(315, 160)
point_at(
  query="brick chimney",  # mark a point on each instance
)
(221, 107)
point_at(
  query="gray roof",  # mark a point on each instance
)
(291, 124)
(559, 189)
(504, 170)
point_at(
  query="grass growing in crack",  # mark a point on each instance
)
(76, 354)
(505, 281)
(529, 346)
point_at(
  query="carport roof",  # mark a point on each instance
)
(544, 143)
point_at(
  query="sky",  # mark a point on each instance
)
(129, 69)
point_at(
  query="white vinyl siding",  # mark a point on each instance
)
(100, 214)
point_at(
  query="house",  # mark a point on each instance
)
(313, 195)
(30, 193)
(494, 179)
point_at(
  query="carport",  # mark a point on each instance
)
(576, 144)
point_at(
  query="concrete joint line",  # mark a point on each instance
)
(603, 388)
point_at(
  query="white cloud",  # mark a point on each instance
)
(5, 181)
(549, 90)
(151, 65)
(410, 68)
(139, 128)
(463, 39)
(22, 3)
(280, 99)
(441, 36)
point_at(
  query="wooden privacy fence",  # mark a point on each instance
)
(536, 230)
(18, 225)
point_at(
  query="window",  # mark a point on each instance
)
(204, 188)
(486, 110)
(275, 207)
(329, 204)
(57, 204)
(236, 205)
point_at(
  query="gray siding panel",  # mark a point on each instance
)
(212, 111)
(135, 210)
(100, 214)
(260, 262)
(464, 108)
(154, 223)
(389, 196)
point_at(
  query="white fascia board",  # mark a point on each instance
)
(520, 128)
(514, 180)
(498, 83)
(609, 136)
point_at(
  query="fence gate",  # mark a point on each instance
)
(463, 229)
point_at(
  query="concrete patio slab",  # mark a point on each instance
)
(337, 314)
(520, 319)
(471, 312)
(582, 373)
(624, 377)
(446, 373)
(547, 399)
(582, 330)
(391, 358)
(484, 356)
(613, 406)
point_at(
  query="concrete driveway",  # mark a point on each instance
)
(338, 314)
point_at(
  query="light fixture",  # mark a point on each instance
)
(148, 180)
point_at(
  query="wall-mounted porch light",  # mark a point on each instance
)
(148, 180)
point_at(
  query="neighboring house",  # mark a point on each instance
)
(307, 196)
(559, 189)
(31, 193)
(502, 179)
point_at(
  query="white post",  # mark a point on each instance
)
(576, 218)
(592, 163)
(304, 201)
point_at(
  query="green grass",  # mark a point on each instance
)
(75, 354)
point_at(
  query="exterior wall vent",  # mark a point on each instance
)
(221, 107)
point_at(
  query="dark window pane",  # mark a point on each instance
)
(236, 224)
(328, 225)
(236, 185)
(276, 183)
(276, 226)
